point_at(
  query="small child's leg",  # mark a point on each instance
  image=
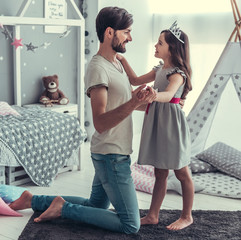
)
(184, 176)
(159, 192)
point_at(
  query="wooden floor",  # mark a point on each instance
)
(78, 183)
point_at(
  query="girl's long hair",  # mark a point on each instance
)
(180, 57)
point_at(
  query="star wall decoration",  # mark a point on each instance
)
(45, 45)
(65, 34)
(6, 33)
(17, 42)
(30, 47)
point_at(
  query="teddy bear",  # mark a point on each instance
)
(52, 94)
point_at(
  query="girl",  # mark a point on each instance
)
(165, 141)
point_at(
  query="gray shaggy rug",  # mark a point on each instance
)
(218, 225)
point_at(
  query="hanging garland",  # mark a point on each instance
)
(30, 47)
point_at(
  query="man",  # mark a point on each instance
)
(112, 102)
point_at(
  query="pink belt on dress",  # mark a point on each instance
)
(173, 100)
(147, 108)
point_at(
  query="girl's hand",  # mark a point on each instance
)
(151, 94)
(119, 57)
(147, 94)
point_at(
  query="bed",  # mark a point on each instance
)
(215, 171)
(41, 142)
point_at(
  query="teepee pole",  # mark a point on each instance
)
(237, 21)
(231, 36)
(236, 38)
(236, 6)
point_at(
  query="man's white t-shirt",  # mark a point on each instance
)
(117, 140)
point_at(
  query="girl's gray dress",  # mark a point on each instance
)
(165, 140)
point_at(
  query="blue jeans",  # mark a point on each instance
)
(112, 184)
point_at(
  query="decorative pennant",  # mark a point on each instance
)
(45, 45)
(7, 33)
(65, 34)
(17, 43)
(30, 47)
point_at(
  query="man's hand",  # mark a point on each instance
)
(143, 95)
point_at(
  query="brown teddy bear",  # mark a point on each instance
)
(52, 94)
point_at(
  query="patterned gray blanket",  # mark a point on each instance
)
(41, 141)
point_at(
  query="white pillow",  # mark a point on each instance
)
(6, 109)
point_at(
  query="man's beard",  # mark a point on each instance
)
(116, 46)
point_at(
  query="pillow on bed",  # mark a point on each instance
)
(224, 158)
(10, 193)
(6, 109)
(198, 166)
(6, 210)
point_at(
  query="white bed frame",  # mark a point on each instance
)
(79, 22)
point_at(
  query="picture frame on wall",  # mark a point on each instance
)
(55, 9)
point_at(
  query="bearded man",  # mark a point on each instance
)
(112, 102)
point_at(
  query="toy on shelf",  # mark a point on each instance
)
(52, 94)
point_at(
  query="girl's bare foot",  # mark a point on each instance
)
(180, 223)
(54, 210)
(23, 202)
(147, 220)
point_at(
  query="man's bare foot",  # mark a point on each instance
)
(54, 210)
(23, 202)
(180, 223)
(147, 220)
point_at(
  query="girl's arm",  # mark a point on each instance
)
(175, 81)
(134, 80)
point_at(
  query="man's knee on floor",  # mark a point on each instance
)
(132, 228)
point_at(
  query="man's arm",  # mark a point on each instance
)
(106, 120)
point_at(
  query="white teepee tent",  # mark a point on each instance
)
(227, 69)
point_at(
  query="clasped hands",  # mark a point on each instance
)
(144, 94)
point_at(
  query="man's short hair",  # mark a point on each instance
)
(114, 17)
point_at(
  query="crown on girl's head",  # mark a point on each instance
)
(176, 31)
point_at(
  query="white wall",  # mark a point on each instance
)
(140, 52)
